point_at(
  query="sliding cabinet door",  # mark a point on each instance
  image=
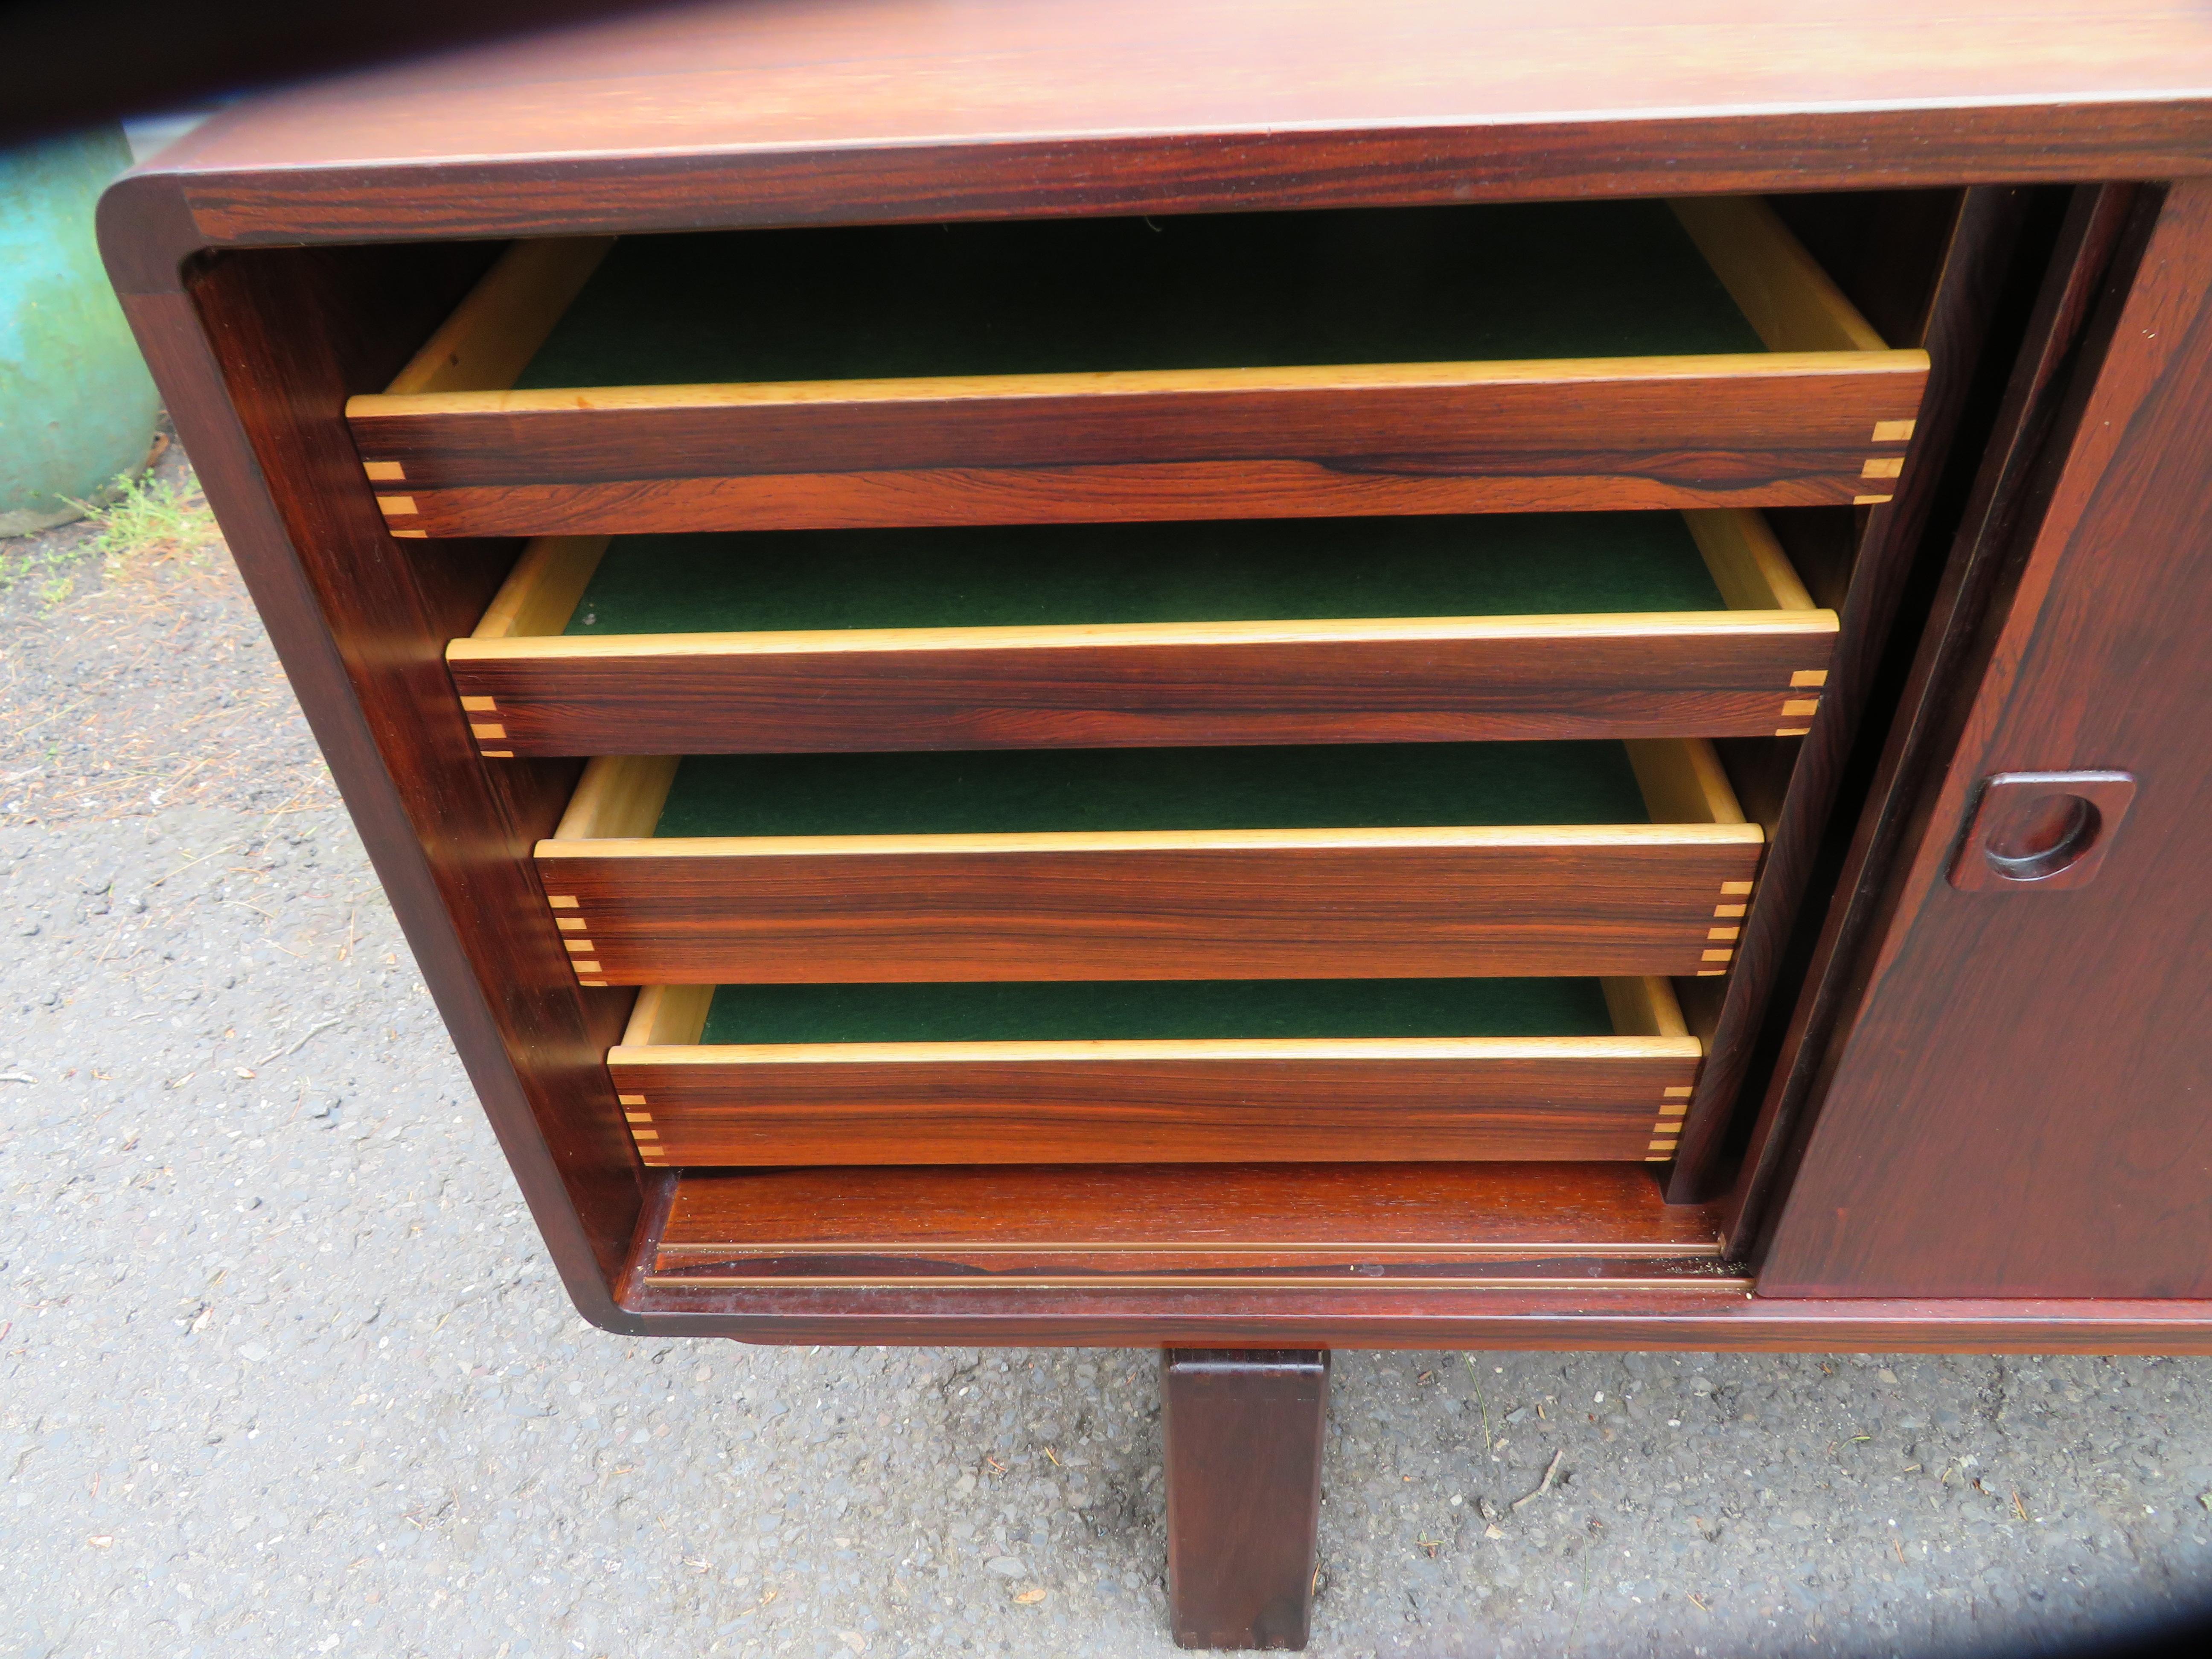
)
(2018, 1102)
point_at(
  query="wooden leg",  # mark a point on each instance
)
(1243, 1431)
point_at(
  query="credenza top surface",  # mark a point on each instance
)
(799, 111)
(799, 73)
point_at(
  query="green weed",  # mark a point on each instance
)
(56, 565)
(140, 520)
(153, 518)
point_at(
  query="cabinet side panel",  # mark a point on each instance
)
(257, 361)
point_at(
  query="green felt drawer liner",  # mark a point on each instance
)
(1076, 1011)
(1229, 570)
(1347, 785)
(1380, 285)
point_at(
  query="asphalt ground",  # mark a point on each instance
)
(284, 1369)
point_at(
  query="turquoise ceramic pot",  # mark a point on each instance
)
(77, 405)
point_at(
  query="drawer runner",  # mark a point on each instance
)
(1476, 1227)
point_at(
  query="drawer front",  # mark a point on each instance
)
(1703, 675)
(1623, 902)
(1274, 631)
(1606, 1098)
(1587, 356)
(1783, 430)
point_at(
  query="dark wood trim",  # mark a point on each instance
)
(989, 1276)
(1975, 267)
(1242, 1433)
(1069, 1315)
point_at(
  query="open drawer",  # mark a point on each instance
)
(1415, 861)
(1522, 356)
(1139, 1072)
(1593, 1227)
(1275, 630)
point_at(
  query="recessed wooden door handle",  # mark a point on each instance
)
(2046, 830)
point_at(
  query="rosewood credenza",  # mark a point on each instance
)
(1255, 677)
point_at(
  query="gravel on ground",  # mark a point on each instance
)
(284, 1369)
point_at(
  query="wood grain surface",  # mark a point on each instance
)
(2098, 224)
(1133, 1102)
(1134, 493)
(1961, 300)
(1202, 905)
(1769, 429)
(2015, 1105)
(784, 114)
(1754, 667)
(796, 113)
(1241, 1434)
(1706, 674)
(254, 364)
(1137, 1218)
